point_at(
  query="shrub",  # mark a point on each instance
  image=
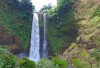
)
(60, 63)
(7, 60)
(45, 63)
(96, 55)
(77, 63)
(26, 63)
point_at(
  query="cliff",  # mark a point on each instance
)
(15, 25)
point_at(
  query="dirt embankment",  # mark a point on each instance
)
(9, 41)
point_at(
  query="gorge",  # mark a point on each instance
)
(64, 36)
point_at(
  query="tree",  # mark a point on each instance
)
(46, 7)
(26, 5)
(58, 1)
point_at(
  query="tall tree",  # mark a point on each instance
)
(26, 5)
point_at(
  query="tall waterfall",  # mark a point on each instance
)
(35, 40)
(45, 47)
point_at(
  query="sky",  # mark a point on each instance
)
(40, 3)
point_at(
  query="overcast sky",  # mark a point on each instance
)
(39, 3)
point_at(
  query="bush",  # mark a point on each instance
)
(45, 63)
(7, 60)
(60, 63)
(26, 63)
(97, 12)
(77, 63)
(96, 54)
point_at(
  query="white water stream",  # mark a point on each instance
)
(45, 47)
(35, 40)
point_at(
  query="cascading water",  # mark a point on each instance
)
(45, 47)
(35, 49)
(35, 40)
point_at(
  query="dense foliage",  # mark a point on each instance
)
(25, 63)
(76, 21)
(60, 63)
(61, 21)
(16, 18)
(7, 60)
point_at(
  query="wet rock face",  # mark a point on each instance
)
(41, 40)
(40, 15)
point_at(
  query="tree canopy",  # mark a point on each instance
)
(46, 8)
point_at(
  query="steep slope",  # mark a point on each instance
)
(74, 27)
(88, 40)
(15, 25)
(89, 15)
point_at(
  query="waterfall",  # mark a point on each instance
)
(35, 40)
(35, 48)
(45, 47)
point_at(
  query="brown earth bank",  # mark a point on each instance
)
(9, 41)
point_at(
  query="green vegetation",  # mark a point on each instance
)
(54, 63)
(25, 63)
(45, 63)
(73, 31)
(16, 18)
(8, 60)
(77, 63)
(75, 25)
(46, 8)
(60, 63)
(60, 26)
(96, 55)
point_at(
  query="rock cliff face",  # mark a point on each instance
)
(41, 25)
